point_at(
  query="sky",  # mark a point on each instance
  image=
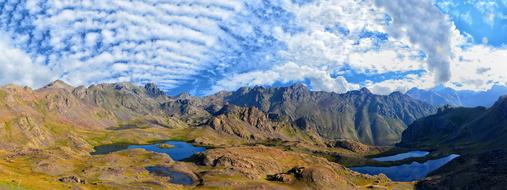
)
(206, 46)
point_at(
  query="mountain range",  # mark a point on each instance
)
(50, 133)
(355, 115)
(62, 124)
(255, 113)
(440, 96)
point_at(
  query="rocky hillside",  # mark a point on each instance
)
(477, 134)
(356, 115)
(460, 127)
(53, 115)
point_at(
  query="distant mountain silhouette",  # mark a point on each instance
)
(440, 96)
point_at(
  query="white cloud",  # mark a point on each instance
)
(479, 67)
(244, 43)
(426, 27)
(81, 41)
(318, 50)
(384, 61)
(289, 72)
(402, 85)
(16, 67)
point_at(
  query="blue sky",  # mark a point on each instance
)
(203, 46)
(479, 19)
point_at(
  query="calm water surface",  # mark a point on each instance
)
(180, 151)
(176, 177)
(407, 172)
(402, 156)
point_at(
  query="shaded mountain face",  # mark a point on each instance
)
(356, 115)
(478, 134)
(461, 127)
(440, 96)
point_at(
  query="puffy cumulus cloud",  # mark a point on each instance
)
(424, 26)
(479, 67)
(384, 61)
(473, 67)
(424, 81)
(18, 68)
(330, 31)
(288, 72)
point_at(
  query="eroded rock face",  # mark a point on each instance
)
(253, 124)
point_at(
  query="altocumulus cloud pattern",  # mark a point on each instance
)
(204, 46)
(170, 42)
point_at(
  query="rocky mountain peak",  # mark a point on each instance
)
(298, 89)
(184, 95)
(396, 93)
(362, 91)
(123, 86)
(299, 86)
(58, 84)
(501, 102)
(153, 90)
(365, 90)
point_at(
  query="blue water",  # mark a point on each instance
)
(402, 156)
(180, 151)
(176, 177)
(407, 172)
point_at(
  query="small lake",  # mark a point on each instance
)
(407, 172)
(402, 156)
(180, 150)
(176, 177)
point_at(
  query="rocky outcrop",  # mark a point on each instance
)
(72, 179)
(153, 91)
(316, 177)
(253, 124)
(352, 146)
